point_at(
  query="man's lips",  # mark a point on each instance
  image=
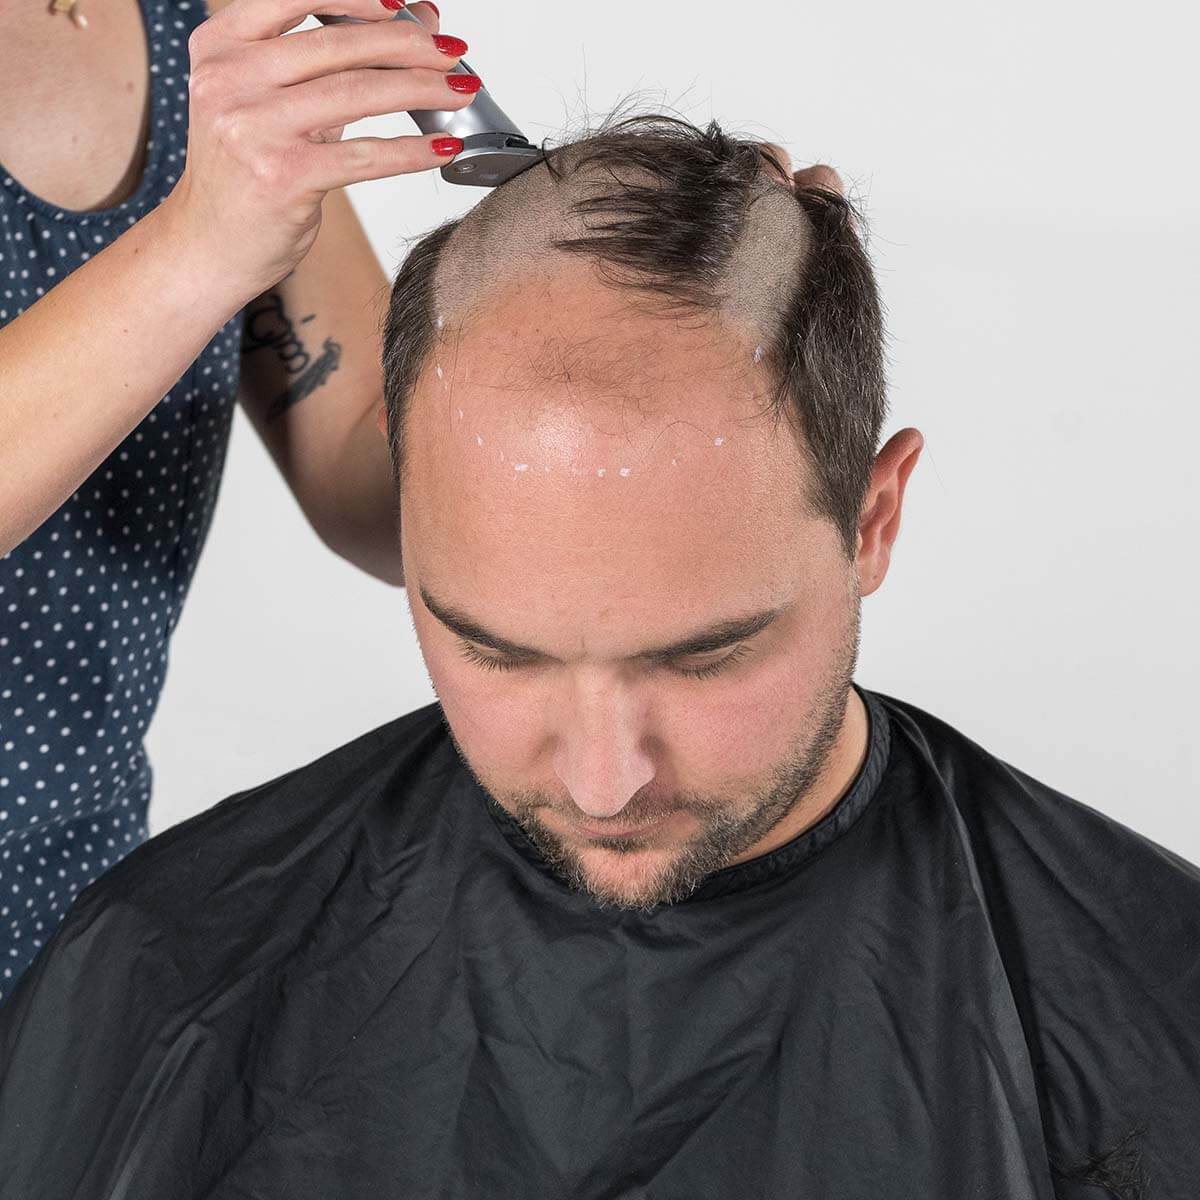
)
(590, 830)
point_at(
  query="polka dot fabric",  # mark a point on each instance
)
(89, 601)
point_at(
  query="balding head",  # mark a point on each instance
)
(684, 225)
(632, 399)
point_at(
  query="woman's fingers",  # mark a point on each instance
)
(777, 163)
(339, 164)
(349, 96)
(820, 175)
(427, 14)
(313, 53)
(252, 20)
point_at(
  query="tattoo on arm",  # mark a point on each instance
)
(268, 327)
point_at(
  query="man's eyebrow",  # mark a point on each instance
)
(714, 637)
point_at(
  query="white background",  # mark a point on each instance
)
(1032, 205)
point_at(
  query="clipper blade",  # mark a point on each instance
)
(490, 159)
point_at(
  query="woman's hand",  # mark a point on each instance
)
(818, 175)
(266, 120)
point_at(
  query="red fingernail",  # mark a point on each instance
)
(464, 83)
(455, 47)
(436, 11)
(447, 145)
(392, 4)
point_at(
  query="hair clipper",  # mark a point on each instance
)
(494, 149)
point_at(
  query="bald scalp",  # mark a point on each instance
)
(539, 224)
(688, 225)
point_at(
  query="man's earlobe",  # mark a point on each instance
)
(381, 419)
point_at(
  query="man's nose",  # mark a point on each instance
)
(600, 757)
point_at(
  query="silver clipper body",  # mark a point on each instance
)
(494, 149)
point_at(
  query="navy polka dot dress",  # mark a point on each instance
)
(89, 601)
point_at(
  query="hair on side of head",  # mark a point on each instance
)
(686, 217)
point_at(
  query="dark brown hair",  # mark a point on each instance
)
(673, 236)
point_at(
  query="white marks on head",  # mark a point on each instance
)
(758, 353)
(460, 414)
(440, 373)
(575, 469)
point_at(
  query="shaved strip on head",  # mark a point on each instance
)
(512, 234)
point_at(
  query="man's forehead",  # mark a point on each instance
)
(588, 503)
(498, 431)
(667, 517)
(561, 431)
(566, 341)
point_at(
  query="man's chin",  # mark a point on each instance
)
(639, 880)
(645, 869)
(629, 878)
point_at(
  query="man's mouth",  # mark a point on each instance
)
(616, 831)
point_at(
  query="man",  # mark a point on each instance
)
(655, 902)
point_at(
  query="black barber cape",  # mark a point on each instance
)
(360, 981)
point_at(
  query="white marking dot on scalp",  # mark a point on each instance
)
(625, 470)
(520, 466)
(440, 373)
(674, 462)
(600, 471)
(718, 441)
(440, 321)
(478, 440)
(758, 353)
(460, 415)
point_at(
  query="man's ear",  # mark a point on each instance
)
(879, 523)
(381, 420)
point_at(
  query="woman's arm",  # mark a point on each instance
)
(82, 367)
(312, 384)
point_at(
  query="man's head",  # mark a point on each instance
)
(635, 394)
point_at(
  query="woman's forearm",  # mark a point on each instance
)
(368, 530)
(82, 367)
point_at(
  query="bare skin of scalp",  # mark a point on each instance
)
(511, 232)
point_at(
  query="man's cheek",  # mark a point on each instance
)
(732, 728)
(492, 725)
